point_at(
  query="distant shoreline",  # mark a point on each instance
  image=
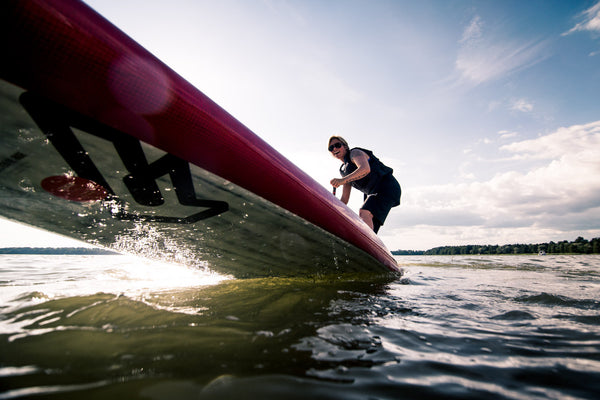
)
(57, 251)
(579, 246)
(423, 254)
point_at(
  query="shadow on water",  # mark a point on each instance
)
(210, 342)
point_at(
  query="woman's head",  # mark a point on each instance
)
(338, 147)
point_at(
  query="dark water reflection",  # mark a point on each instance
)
(211, 334)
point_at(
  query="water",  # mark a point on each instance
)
(478, 327)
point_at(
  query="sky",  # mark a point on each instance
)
(488, 111)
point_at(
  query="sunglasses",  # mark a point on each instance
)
(334, 146)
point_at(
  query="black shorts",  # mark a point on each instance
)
(385, 196)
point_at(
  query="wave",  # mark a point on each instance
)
(549, 299)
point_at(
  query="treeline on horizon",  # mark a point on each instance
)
(579, 246)
(56, 250)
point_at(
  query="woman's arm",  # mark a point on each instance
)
(361, 159)
(346, 193)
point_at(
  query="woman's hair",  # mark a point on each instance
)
(341, 139)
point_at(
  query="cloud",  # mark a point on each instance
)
(522, 105)
(590, 21)
(578, 142)
(473, 31)
(507, 134)
(483, 57)
(557, 195)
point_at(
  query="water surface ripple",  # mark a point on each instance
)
(468, 327)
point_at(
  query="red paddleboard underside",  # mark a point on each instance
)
(102, 142)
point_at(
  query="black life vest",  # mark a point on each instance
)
(369, 182)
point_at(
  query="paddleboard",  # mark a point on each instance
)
(102, 142)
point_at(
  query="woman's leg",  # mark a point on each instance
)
(366, 216)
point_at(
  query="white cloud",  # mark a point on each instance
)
(590, 21)
(473, 31)
(522, 105)
(507, 134)
(483, 57)
(485, 63)
(558, 197)
(581, 142)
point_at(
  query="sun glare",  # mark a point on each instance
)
(144, 274)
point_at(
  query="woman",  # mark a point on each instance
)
(363, 171)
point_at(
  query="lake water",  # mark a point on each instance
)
(461, 327)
